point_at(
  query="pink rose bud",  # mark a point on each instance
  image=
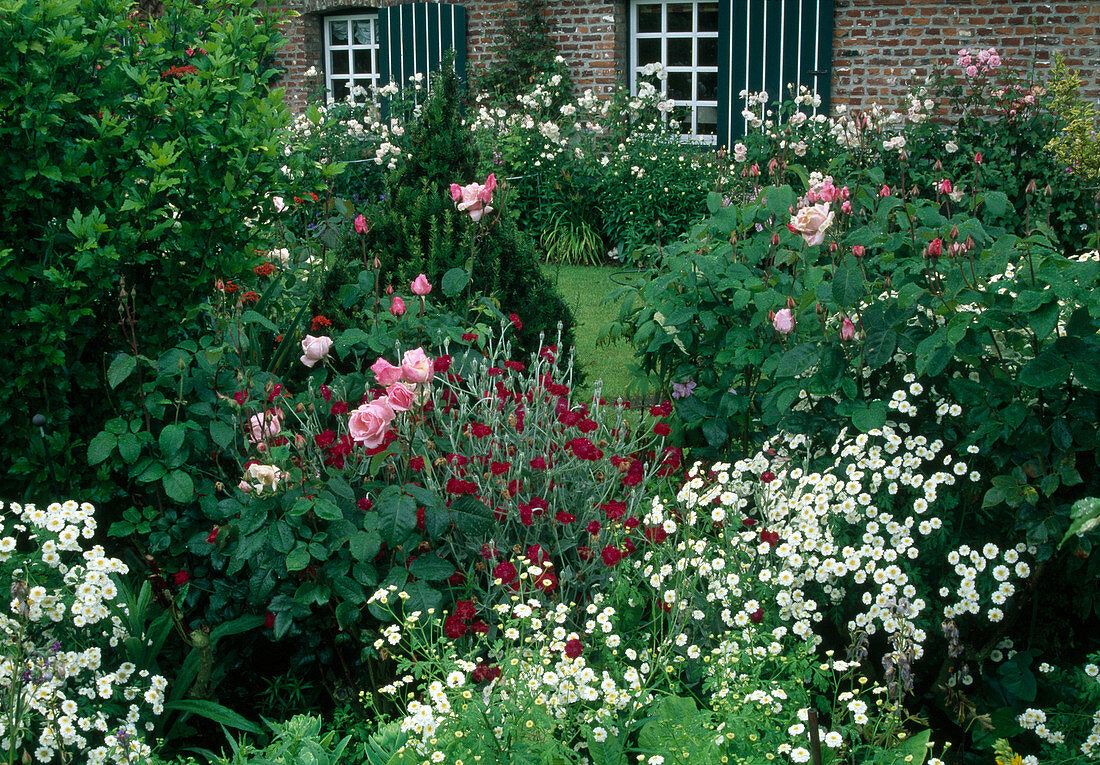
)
(784, 321)
(377, 263)
(935, 248)
(945, 186)
(314, 349)
(400, 396)
(977, 158)
(456, 192)
(361, 224)
(832, 247)
(369, 423)
(397, 307)
(847, 330)
(954, 232)
(859, 250)
(421, 286)
(386, 373)
(389, 289)
(846, 207)
(884, 191)
(416, 367)
(775, 240)
(844, 193)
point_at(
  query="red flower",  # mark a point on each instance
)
(326, 393)
(515, 366)
(483, 673)
(770, 537)
(661, 410)
(505, 572)
(442, 363)
(584, 449)
(250, 297)
(564, 517)
(584, 552)
(416, 464)
(178, 71)
(549, 352)
(212, 537)
(538, 463)
(574, 648)
(515, 321)
(465, 609)
(478, 430)
(264, 269)
(481, 628)
(320, 321)
(269, 620)
(340, 407)
(499, 468)
(457, 579)
(593, 527)
(748, 523)
(614, 510)
(611, 555)
(631, 523)
(454, 627)
(181, 577)
(757, 616)
(364, 504)
(767, 476)
(662, 429)
(240, 397)
(458, 486)
(469, 337)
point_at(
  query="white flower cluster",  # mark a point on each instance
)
(1000, 567)
(59, 589)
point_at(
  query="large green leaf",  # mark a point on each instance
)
(798, 359)
(471, 516)
(213, 711)
(178, 486)
(431, 568)
(1046, 370)
(122, 366)
(848, 283)
(101, 446)
(396, 516)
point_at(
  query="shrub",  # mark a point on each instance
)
(140, 151)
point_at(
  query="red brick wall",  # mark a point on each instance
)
(879, 46)
(590, 34)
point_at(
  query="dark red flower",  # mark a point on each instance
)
(539, 463)
(325, 438)
(478, 430)
(574, 648)
(326, 393)
(269, 620)
(655, 534)
(240, 397)
(457, 579)
(662, 429)
(661, 410)
(480, 628)
(593, 527)
(458, 486)
(748, 523)
(250, 297)
(587, 426)
(181, 577)
(485, 673)
(499, 468)
(212, 537)
(611, 555)
(465, 609)
(564, 517)
(454, 627)
(584, 449)
(364, 504)
(442, 363)
(515, 366)
(515, 321)
(470, 337)
(631, 523)
(505, 572)
(584, 552)
(264, 269)
(416, 464)
(488, 552)
(319, 321)
(340, 407)
(757, 616)
(614, 510)
(769, 537)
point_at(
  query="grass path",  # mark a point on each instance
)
(584, 288)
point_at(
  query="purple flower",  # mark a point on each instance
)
(683, 390)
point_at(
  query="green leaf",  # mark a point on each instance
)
(101, 446)
(454, 281)
(252, 317)
(298, 558)
(129, 448)
(879, 347)
(714, 430)
(848, 284)
(915, 748)
(396, 517)
(365, 545)
(996, 202)
(422, 597)
(171, 440)
(221, 434)
(869, 416)
(326, 509)
(213, 711)
(1045, 370)
(471, 516)
(798, 359)
(1086, 517)
(121, 367)
(431, 568)
(178, 486)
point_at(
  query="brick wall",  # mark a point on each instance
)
(881, 45)
(590, 34)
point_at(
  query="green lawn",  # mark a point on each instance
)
(584, 288)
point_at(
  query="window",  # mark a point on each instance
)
(351, 56)
(683, 36)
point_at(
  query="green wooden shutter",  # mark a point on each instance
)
(766, 45)
(412, 37)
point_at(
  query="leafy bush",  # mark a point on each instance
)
(139, 155)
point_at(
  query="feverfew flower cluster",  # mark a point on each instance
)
(56, 641)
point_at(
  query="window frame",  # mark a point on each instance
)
(695, 69)
(349, 48)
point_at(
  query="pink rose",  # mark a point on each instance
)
(847, 330)
(264, 425)
(783, 321)
(314, 349)
(386, 372)
(421, 286)
(369, 423)
(859, 250)
(361, 226)
(416, 367)
(400, 396)
(884, 191)
(397, 307)
(812, 222)
(474, 198)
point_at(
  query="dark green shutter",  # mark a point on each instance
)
(412, 37)
(766, 45)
